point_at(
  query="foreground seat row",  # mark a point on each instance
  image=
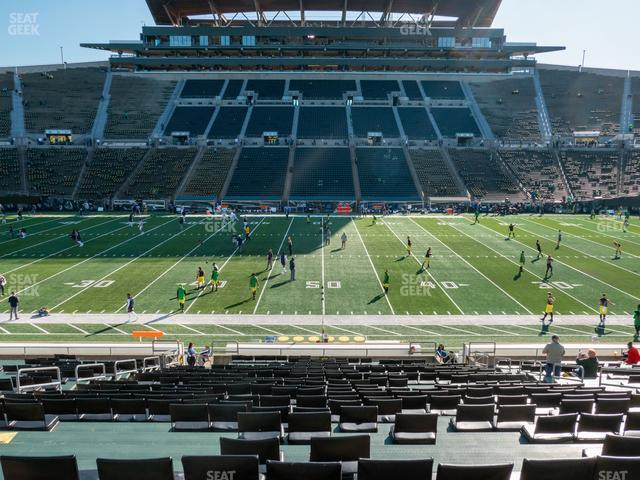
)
(247, 467)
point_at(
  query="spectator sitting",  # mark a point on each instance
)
(442, 356)
(43, 312)
(589, 363)
(205, 354)
(633, 356)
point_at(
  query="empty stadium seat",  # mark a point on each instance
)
(345, 449)
(28, 416)
(558, 469)
(552, 429)
(228, 123)
(414, 429)
(39, 468)
(514, 417)
(306, 470)
(266, 448)
(259, 425)
(473, 418)
(142, 469)
(304, 426)
(241, 467)
(477, 472)
(594, 427)
(358, 419)
(189, 417)
(386, 469)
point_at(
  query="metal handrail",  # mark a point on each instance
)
(23, 388)
(91, 366)
(153, 366)
(117, 373)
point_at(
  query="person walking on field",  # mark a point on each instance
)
(343, 238)
(14, 301)
(131, 308)
(3, 282)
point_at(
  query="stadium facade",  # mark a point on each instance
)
(335, 104)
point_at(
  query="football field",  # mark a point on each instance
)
(473, 277)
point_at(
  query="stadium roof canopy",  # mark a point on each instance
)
(477, 13)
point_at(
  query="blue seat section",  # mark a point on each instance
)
(452, 121)
(322, 89)
(201, 88)
(270, 119)
(189, 119)
(322, 174)
(260, 174)
(416, 123)
(323, 122)
(228, 123)
(378, 89)
(267, 89)
(384, 175)
(443, 89)
(374, 119)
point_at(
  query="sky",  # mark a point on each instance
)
(32, 31)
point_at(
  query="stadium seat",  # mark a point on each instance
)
(414, 429)
(39, 468)
(594, 427)
(387, 409)
(142, 469)
(305, 470)
(632, 424)
(612, 405)
(558, 469)
(619, 446)
(552, 429)
(225, 417)
(244, 467)
(576, 406)
(476, 472)
(304, 426)
(65, 409)
(311, 401)
(473, 418)
(259, 425)
(610, 467)
(345, 449)
(386, 469)
(511, 418)
(358, 419)
(159, 409)
(189, 417)
(129, 409)
(414, 403)
(265, 449)
(444, 404)
(28, 416)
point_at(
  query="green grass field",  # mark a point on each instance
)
(474, 272)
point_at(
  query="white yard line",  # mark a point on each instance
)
(428, 272)
(465, 332)
(186, 327)
(113, 327)
(104, 277)
(78, 328)
(503, 332)
(5, 331)
(375, 274)
(39, 328)
(235, 332)
(574, 268)
(396, 334)
(474, 268)
(275, 260)
(350, 332)
(422, 330)
(269, 330)
(193, 302)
